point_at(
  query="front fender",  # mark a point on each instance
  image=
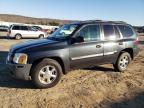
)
(63, 54)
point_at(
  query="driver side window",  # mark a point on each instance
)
(90, 33)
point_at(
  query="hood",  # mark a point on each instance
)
(32, 44)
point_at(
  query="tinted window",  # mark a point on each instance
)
(16, 28)
(126, 31)
(37, 27)
(24, 28)
(117, 34)
(90, 33)
(108, 31)
(32, 29)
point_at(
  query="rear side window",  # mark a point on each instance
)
(16, 28)
(90, 32)
(32, 29)
(117, 34)
(126, 30)
(108, 32)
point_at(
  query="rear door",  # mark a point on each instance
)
(112, 42)
(33, 32)
(89, 52)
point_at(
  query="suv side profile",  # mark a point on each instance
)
(23, 31)
(88, 43)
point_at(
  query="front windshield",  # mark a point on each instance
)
(64, 31)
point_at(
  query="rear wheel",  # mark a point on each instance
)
(41, 36)
(122, 62)
(18, 36)
(46, 74)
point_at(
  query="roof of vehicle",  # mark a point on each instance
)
(18, 25)
(99, 21)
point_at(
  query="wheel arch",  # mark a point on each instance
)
(58, 59)
(130, 51)
(18, 34)
(41, 35)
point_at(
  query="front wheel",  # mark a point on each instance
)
(123, 61)
(18, 36)
(46, 74)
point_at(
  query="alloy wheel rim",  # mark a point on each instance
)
(124, 61)
(47, 74)
(18, 36)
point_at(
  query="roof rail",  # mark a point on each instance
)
(116, 22)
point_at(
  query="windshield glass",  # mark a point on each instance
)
(64, 31)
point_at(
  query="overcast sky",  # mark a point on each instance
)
(131, 11)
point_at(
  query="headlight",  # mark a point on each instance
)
(20, 58)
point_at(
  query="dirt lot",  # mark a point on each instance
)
(96, 87)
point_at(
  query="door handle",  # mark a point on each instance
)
(98, 46)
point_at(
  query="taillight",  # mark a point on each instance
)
(136, 42)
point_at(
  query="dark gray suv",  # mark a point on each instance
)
(73, 46)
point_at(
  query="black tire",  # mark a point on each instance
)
(41, 36)
(40, 83)
(18, 36)
(121, 64)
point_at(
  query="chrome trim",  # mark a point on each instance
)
(87, 56)
(109, 53)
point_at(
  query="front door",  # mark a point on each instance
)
(89, 52)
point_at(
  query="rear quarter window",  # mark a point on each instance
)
(126, 31)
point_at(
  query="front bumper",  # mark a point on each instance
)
(20, 71)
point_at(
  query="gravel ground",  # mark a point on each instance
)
(95, 87)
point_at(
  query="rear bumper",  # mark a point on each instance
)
(20, 71)
(136, 51)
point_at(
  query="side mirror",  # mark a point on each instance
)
(77, 39)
